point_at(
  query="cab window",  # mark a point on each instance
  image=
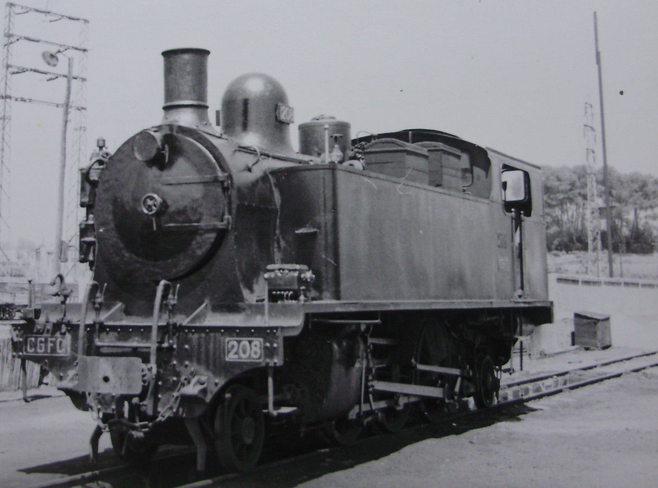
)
(475, 177)
(515, 189)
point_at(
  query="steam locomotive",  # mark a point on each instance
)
(238, 283)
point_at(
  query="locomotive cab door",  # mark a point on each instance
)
(515, 185)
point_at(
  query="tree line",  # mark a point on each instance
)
(633, 201)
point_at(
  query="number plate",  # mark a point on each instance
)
(238, 349)
(46, 345)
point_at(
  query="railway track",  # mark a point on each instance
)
(547, 384)
(514, 391)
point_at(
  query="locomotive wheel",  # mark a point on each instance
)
(131, 451)
(343, 431)
(393, 420)
(239, 429)
(487, 383)
(433, 349)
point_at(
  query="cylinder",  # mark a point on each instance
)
(186, 87)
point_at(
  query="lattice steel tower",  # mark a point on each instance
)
(77, 112)
(593, 220)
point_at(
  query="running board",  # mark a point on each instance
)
(406, 389)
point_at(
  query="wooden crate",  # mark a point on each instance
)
(592, 330)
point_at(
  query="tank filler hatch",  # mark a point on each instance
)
(160, 218)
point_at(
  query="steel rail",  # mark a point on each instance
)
(580, 384)
(535, 388)
(81, 479)
(564, 372)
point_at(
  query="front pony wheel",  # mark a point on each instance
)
(239, 429)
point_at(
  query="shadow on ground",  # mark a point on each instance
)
(370, 449)
(73, 466)
(174, 469)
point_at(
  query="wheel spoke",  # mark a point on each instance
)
(242, 451)
(241, 409)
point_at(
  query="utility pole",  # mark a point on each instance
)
(5, 138)
(51, 59)
(606, 181)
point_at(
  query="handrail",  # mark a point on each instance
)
(83, 318)
(156, 318)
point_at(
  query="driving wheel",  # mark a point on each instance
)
(487, 382)
(343, 431)
(434, 349)
(392, 419)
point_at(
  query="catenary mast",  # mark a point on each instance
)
(77, 112)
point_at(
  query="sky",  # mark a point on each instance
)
(513, 75)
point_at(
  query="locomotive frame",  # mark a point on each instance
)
(239, 283)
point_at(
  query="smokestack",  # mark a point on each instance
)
(186, 87)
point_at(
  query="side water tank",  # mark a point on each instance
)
(312, 138)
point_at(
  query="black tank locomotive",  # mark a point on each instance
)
(237, 281)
